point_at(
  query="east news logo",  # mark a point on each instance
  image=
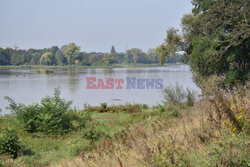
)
(128, 83)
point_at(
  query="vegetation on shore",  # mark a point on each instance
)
(213, 132)
(70, 55)
(82, 66)
(215, 40)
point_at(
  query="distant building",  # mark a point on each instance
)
(14, 48)
(6, 47)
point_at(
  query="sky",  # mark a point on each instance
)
(94, 25)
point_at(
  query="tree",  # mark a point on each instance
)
(71, 52)
(215, 38)
(46, 58)
(113, 50)
(135, 55)
(171, 45)
(151, 56)
(59, 57)
(108, 58)
(222, 48)
(5, 56)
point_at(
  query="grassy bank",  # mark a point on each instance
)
(211, 132)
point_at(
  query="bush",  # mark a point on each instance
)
(190, 98)
(159, 108)
(144, 106)
(104, 105)
(9, 143)
(131, 108)
(173, 113)
(177, 95)
(82, 118)
(173, 94)
(93, 131)
(53, 116)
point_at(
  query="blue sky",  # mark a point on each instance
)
(95, 25)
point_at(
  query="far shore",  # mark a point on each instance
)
(82, 66)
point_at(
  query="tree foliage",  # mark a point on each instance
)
(46, 59)
(215, 38)
(53, 116)
(71, 52)
(108, 58)
(222, 48)
(171, 45)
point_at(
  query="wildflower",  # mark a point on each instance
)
(216, 134)
(240, 110)
(239, 117)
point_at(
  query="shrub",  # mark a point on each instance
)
(104, 105)
(82, 118)
(173, 94)
(144, 106)
(53, 116)
(9, 143)
(93, 131)
(177, 95)
(232, 112)
(190, 98)
(228, 150)
(159, 108)
(131, 108)
(173, 113)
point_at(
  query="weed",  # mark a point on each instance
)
(176, 95)
(9, 143)
(93, 131)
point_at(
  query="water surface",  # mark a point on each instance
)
(27, 86)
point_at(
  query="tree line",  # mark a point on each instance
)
(70, 55)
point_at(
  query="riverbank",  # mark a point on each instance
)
(135, 135)
(76, 66)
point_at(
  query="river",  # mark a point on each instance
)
(27, 86)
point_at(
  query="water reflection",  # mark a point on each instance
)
(27, 86)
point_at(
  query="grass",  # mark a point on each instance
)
(49, 149)
(152, 137)
(192, 139)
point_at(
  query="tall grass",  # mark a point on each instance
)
(176, 95)
(197, 138)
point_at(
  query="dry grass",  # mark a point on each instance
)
(161, 143)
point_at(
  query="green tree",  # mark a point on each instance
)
(222, 47)
(135, 55)
(59, 56)
(171, 45)
(5, 56)
(46, 58)
(108, 58)
(113, 50)
(151, 56)
(71, 52)
(215, 37)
